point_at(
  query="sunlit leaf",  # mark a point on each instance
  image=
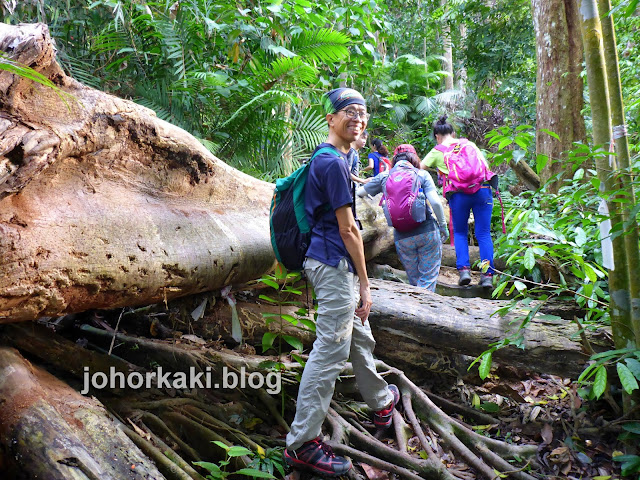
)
(520, 286)
(485, 365)
(529, 259)
(600, 382)
(581, 237)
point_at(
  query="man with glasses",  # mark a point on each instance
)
(334, 264)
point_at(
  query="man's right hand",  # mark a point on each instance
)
(364, 307)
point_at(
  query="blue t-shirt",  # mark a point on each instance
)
(376, 162)
(353, 161)
(328, 188)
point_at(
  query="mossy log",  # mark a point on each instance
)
(48, 430)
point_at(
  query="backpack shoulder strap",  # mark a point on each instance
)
(442, 148)
(324, 150)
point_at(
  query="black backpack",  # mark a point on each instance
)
(290, 231)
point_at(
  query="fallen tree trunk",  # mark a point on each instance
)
(103, 205)
(53, 432)
(411, 324)
(426, 332)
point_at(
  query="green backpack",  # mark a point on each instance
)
(290, 230)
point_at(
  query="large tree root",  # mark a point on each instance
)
(176, 431)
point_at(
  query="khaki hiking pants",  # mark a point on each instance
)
(339, 334)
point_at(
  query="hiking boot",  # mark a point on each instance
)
(465, 276)
(317, 457)
(383, 418)
(486, 281)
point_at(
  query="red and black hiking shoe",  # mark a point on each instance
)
(317, 457)
(383, 418)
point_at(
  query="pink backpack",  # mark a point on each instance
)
(467, 171)
(404, 203)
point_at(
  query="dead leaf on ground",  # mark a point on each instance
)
(194, 339)
(547, 433)
(374, 473)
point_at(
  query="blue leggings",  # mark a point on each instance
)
(461, 204)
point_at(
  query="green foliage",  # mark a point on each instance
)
(627, 368)
(630, 464)
(284, 283)
(270, 461)
(628, 38)
(499, 53)
(219, 471)
(552, 248)
(240, 80)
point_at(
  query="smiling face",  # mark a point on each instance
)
(343, 130)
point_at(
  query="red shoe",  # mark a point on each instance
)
(317, 457)
(383, 418)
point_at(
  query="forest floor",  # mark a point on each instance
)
(575, 439)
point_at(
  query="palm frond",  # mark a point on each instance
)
(425, 105)
(324, 45)
(309, 130)
(293, 71)
(110, 40)
(400, 112)
(268, 96)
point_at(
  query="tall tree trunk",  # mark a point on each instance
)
(620, 311)
(462, 72)
(621, 143)
(448, 50)
(558, 84)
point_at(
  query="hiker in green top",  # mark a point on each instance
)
(461, 205)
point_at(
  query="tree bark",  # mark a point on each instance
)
(620, 140)
(103, 204)
(525, 174)
(53, 432)
(559, 85)
(602, 132)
